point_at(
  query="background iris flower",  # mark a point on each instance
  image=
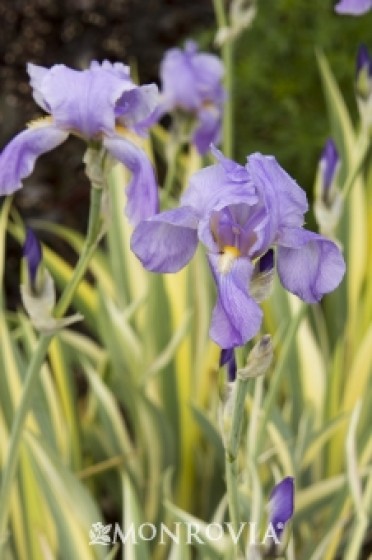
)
(353, 7)
(192, 85)
(99, 105)
(239, 213)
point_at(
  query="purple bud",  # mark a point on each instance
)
(227, 357)
(363, 60)
(266, 262)
(281, 504)
(32, 253)
(329, 162)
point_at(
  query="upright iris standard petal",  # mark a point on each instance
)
(18, 158)
(236, 317)
(309, 265)
(81, 100)
(285, 201)
(281, 504)
(32, 252)
(166, 242)
(353, 7)
(136, 108)
(142, 191)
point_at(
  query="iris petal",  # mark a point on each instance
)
(167, 241)
(18, 158)
(142, 190)
(353, 7)
(80, 100)
(309, 265)
(236, 317)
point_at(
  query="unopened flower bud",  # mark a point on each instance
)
(328, 200)
(38, 291)
(363, 85)
(33, 257)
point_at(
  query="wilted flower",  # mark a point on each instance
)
(239, 214)
(353, 7)
(192, 90)
(281, 504)
(98, 104)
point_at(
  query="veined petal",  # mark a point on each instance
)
(142, 190)
(285, 200)
(281, 504)
(236, 317)
(81, 100)
(166, 242)
(208, 129)
(212, 188)
(308, 264)
(353, 7)
(18, 158)
(136, 108)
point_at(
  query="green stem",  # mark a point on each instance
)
(37, 360)
(227, 51)
(171, 169)
(232, 448)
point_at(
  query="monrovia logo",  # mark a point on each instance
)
(98, 533)
(191, 533)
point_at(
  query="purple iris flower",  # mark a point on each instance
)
(192, 84)
(329, 164)
(32, 252)
(239, 213)
(281, 504)
(97, 104)
(353, 7)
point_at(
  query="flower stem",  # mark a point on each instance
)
(31, 378)
(171, 169)
(231, 451)
(227, 51)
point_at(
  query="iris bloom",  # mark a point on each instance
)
(239, 213)
(281, 504)
(96, 104)
(353, 7)
(191, 86)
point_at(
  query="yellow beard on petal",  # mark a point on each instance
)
(40, 122)
(226, 260)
